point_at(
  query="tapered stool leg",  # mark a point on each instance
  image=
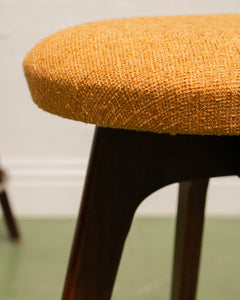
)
(105, 217)
(189, 228)
(9, 218)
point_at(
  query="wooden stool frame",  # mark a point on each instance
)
(124, 168)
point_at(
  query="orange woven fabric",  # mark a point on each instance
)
(174, 74)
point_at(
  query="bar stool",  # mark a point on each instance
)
(164, 93)
(6, 209)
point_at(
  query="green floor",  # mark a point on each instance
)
(35, 268)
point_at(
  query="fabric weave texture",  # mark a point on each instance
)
(166, 74)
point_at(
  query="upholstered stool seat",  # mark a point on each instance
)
(162, 74)
(165, 94)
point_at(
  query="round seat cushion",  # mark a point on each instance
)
(173, 74)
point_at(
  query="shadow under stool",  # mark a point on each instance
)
(6, 209)
(164, 93)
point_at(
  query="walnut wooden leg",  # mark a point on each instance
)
(106, 213)
(189, 228)
(9, 218)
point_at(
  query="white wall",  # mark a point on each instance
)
(45, 155)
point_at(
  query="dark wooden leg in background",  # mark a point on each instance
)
(9, 218)
(189, 228)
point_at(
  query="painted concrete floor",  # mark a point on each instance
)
(35, 268)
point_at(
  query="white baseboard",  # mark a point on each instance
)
(52, 188)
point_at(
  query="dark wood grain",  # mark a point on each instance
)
(9, 218)
(188, 238)
(124, 168)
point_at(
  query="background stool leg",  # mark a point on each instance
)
(9, 218)
(188, 239)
